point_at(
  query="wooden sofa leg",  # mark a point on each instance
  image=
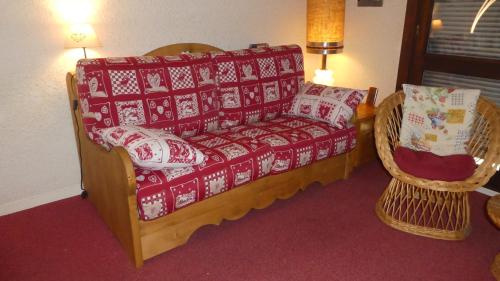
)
(135, 250)
(121, 195)
(110, 181)
(350, 163)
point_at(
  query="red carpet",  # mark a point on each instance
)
(327, 233)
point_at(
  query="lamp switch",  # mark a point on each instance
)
(258, 45)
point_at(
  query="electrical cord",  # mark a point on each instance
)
(84, 193)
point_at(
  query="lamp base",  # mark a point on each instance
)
(323, 77)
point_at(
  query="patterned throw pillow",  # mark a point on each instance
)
(333, 105)
(437, 120)
(153, 149)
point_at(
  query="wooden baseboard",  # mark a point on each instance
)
(39, 199)
(486, 191)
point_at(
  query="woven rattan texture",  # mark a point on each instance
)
(431, 208)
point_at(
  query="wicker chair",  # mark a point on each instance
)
(436, 209)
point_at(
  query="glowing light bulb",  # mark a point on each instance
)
(323, 77)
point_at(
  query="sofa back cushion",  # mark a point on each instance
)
(177, 94)
(257, 84)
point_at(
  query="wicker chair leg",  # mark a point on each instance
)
(425, 212)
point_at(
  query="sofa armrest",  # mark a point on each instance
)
(366, 109)
(109, 178)
(371, 98)
(363, 119)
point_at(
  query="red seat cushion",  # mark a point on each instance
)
(237, 156)
(434, 167)
(298, 141)
(232, 160)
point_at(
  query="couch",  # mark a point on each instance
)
(233, 113)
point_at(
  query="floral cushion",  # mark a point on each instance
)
(153, 148)
(333, 105)
(437, 120)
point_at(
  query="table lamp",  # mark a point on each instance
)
(325, 33)
(81, 36)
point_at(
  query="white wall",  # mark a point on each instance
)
(38, 160)
(372, 45)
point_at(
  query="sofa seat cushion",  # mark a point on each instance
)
(237, 156)
(298, 141)
(257, 84)
(232, 160)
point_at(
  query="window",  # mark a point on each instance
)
(437, 39)
(450, 32)
(440, 49)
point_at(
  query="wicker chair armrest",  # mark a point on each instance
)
(382, 143)
(381, 129)
(491, 159)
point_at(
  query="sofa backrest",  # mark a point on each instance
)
(176, 93)
(188, 94)
(257, 84)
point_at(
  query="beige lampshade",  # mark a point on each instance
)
(81, 36)
(325, 26)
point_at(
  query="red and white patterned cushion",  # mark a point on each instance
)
(177, 93)
(232, 160)
(257, 84)
(237, 156)
(298, 141)
(152, 149)
(333, 105)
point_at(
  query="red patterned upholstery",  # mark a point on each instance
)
(153, 149)
(177, 94)
(257, 84)
(298, 141)
(233, 160)
(237, 156)
(333, 105)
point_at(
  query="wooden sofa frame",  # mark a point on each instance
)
(109, 179)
